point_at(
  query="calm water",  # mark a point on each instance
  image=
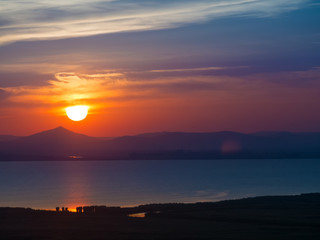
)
(46, 185)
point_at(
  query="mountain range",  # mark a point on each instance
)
(63, 144)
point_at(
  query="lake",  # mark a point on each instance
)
(45, 185)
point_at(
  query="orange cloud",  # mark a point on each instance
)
(121, 104)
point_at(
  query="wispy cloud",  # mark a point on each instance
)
(110, 87)
(42, 20)
(187, 69)
(66, 89)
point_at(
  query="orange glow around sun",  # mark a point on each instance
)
(77, 113)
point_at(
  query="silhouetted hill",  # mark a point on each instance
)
(55, 142)
(60, 143)
(178, 145)
(5, 138)
(183, 141)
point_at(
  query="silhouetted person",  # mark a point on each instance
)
(80, 209)
(62, 209)
(57, 209)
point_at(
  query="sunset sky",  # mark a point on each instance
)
(150, 65)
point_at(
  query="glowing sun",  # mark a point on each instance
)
(77, 113)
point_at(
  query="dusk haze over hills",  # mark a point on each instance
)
(60, 143)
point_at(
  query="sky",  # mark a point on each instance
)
(148, 66)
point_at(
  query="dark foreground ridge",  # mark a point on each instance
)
(274, 217)
(62, 144)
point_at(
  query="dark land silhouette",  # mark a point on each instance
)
(62, 144)
(272, 217)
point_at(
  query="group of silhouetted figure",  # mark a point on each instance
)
(79, 209)
(90, 209)
(93, 210)
(63, 209)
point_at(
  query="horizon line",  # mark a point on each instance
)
(164, 131)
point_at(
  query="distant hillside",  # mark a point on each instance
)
(251, 206)
(62, 144)
(4, 138)
(58, 142)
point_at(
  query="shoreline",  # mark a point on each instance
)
(270, 217)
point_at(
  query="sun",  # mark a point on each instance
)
(77, 113)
